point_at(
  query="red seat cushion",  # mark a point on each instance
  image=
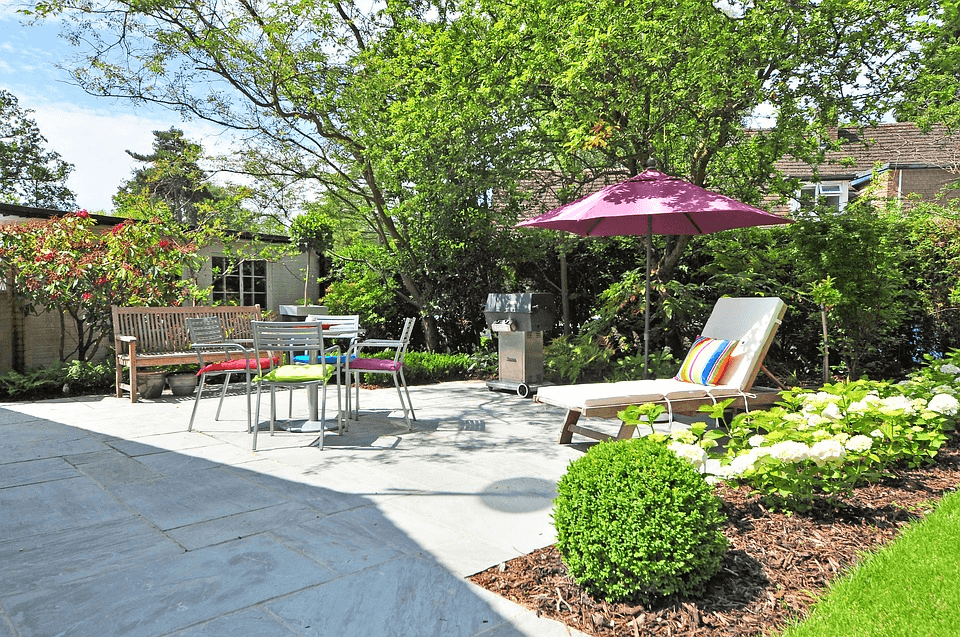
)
(237, 364)
(375, 365)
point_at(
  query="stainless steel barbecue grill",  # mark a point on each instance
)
(518, 321)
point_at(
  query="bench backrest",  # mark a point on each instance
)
(163, 329)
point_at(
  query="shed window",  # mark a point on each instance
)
(243, 283)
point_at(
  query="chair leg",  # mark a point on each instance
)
(406, 389)
(223, 393)
(249, 424)
(273, 409)
(196, 401)
(257, 419)
(341, 424)
(406, 417)
(356, 402)
(322, 387)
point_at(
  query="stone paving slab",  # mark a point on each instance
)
(117, 521)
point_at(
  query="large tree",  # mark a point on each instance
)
(413, 115)
(30, 174)
(682, 79)
(171, 173)
(935, 97)
(299, 82)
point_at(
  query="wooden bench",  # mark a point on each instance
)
(154, 336)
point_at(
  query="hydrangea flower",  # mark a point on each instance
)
(859, 443)
(789, 451)
(740, 465)
(815, 420)
(683, 435)
(897, 405)
(865, 404)
(944, 404)
(832, 412)
(826, 451)
(950, 368)
(757, 440)
(691, 453)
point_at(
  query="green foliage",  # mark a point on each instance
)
(65, 265)
(76, 377)
(635, 522)
(359, 289)
(434, 367)
(172, 175)
(934, 97)
(822, 444)
(30, 175)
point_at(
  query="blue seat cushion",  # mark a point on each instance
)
(329, 360)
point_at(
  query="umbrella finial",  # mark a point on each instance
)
(652, 162)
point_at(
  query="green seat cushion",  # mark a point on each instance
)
(298, 374)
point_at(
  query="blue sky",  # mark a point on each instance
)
(89, 132)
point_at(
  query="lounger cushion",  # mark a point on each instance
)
(628, 392)
(706, 361)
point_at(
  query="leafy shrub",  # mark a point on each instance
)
(430, 367)
(824, 443)
(586, 358)
(75, 377)
(635, 522)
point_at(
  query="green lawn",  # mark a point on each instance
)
(910, 588)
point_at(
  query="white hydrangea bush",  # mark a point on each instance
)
(823, 443)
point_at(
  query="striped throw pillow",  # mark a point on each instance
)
(706, 361)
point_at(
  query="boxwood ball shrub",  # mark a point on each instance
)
(635, 522)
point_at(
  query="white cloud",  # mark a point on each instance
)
(95, 141)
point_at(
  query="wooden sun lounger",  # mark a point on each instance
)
(752, 322)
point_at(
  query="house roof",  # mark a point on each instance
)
(894, 145)
(27, 212)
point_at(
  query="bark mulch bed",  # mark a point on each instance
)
(775, 567)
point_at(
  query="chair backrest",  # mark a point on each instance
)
(204, 329)
(405, 334)
(289, 338)
(752, 322)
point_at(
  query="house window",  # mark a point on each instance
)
(834, 194)
(243, 283)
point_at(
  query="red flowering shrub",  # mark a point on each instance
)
(64, 264)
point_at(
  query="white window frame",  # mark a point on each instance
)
(831, 193)
(244, 286)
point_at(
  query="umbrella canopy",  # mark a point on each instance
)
(652, 203)
(670, 204)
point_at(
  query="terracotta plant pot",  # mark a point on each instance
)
(182, 383)
(150, 384)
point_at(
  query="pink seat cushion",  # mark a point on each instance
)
(237, 364)
(374, 365)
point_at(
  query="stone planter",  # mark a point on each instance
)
(300, 312)
(150, 384)
(182, 383)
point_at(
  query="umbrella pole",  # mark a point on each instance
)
(646, 299)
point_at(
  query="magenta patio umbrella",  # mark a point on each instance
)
(647, 204)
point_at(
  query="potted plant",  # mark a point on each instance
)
(182, 380)
(150, 383)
